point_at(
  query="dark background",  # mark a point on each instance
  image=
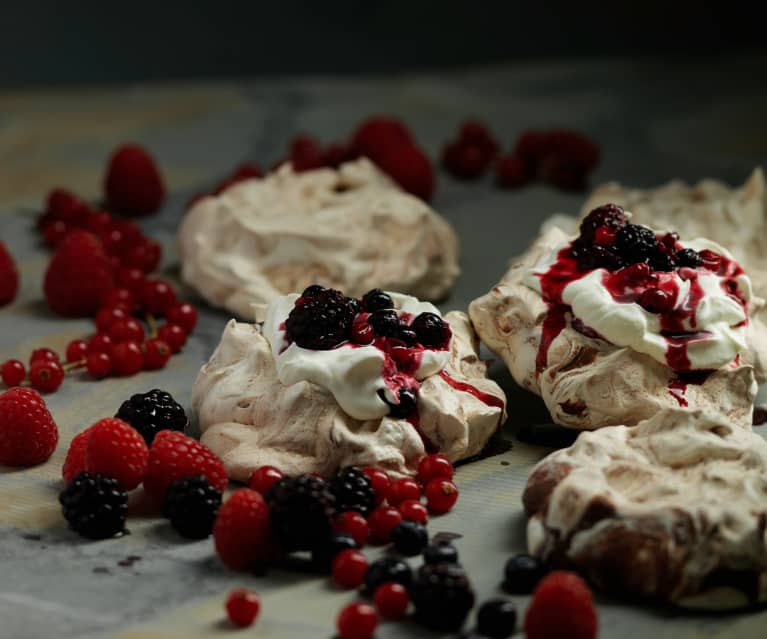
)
(45, 43)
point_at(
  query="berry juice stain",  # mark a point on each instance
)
(485, 398)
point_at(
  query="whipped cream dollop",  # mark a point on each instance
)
(703, 322)
(357, 376)
(350, 228)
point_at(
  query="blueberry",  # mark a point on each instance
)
(429, 328)
(497, 619)
(387, 569)
(375, 300)
(440, 554)
(408, 336)
(324, 554)
(408, 402)
(385, 323)
(409, 538)
(522, 574)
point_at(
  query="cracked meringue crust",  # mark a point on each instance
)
(250, 419)
(349, 228)
(673, 509)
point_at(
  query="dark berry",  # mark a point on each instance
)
(94, 505)
(375, 300)
(311, 291)
(636, 243)
(440, 554)
(385, 323)
(656, 300)
(151, 412)
(302, 510)
(593, 256)
(497, 619)
(387, 569)
(409, 538)
(353, 490)
(522, 574)
(663, 262)
(610, 216)
(688, 257)
(430, 329)
(191, 505)
(442, 596)
(324, 554)
(408, 402)
(322, 320)
(407, 335)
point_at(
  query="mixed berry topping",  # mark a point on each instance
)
(320, 320)
(376, 300)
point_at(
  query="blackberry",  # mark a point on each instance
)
(151, 412)
(322, 320)
(610, 215)
(408, 402)
(376, 300)
(324, 554)
(522, 574)
(688, 257)
(353, 490)
(94, 505)
(430, 329)
(409, 538)
(442, 596)
(440, 554)
(312, 290)
(497, 619)
(592, 256)
(387, 569)
(192, 504)
(302, 510)
(636, 243)
(385, 322)
(663, 262)
(407, 335)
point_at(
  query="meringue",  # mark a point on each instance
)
(349, 228)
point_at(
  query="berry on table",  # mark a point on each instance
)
(54, 232)
(97, 222)
(376, 134)
(74, 463)
(380, 482)
(13, 372)
(62, 204)
(9, 276)
(173, 335)
(46, 376)
(130, 278)
(100, 343)
(382, 521)
(511, 171)
(95, 506)
(353, 524)
(403, 489)
(263, 477)
(28, 434)
(497, 619)
(357, 621)
(324, 553)
(156, 354)
(348, 568)
(413, 510)
(242, 607)
(435, 466)
(242, 530)
(145, 255)
(115, 449)
(157, 296)
(191, 504)
(127, 358)
(43, 355)
(99, 365)
(174, 456)
(522, 574)
(126, 329)
(108, 315)
(391, 600)
(76, 350)
(353, 490)
(442, 596)
(182, 314)
(562, 608)
(387, 569)
(441, 495)
(409, 167)
(440, 553)
(409, 538)
(121, 297)
(133, 184)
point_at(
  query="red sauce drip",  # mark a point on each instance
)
(678, 388)
(485, 398)
(553, 324)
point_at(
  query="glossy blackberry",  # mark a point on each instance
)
(385, 322)
(151, 412)
(430, 329)
(440, 554)
(376, 300)
(94, 505)
(324, 554)
(312, 290)
(191, 505)
(592, 256)
(636, 243)
(610, 215)
(522, 574)
(409, 538)
(497, 619)
(688, 257)
(408, 402)
(353, 490)
(321, 321)
(663, 262)
(442, 595)
(387, 569)
(302, 510)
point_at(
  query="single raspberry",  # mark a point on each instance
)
(79, 276)
(336, 154)
(173, 335)
(28, 434)
(433, 467)
(191, 504)
(263, 477)
(563, 173)
(116, 449)
(94, 505)
(9, 277)
(441, 495)
(247, 171)
(357, 621)
(99, 365)
(76, 351)
(375, 135)
(572, 147)
(608, 216)
(74, 463)
(184, 315)
(465, 160)
(64, 205)
(349, 568)
(321, 321)
(562, 608)
(242, 532)
(46, 376)
(511, 171)
(152, 412)
(306, 153)
(127, 358)
(242, 607)
(403, 489)
(391, 600)
(13, 372)
(174, 456)
(157, 352)
(133, 184)
(409, 167)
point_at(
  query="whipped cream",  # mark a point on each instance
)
(353, 374)
(712, 323)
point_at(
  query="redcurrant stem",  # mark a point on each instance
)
(152, 322)
(78, 364)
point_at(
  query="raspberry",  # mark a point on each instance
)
(28, 434)
(321, 321)
(76, 350)
(562, 608)
(608, 216)
(46, 376)
(173, 335)
(247, 171)
(465, 160)
(403, 489)
(336, 154)
(349, 568)
(152, 412)
(377, 134)
(478, 133)
(409, 167)
(13, 372)
(441, 495)
(357, 621)
(242, 532)
(95, 506)
(574, 148)
(156, 354)
(64, 205)
(184, 315)
(115, 449)
(174, 456)
(391, 600)
(306, 153)
(191, 504)
(433, 467)
(133, 184)
(79, 276)
(242, 607)
(511, 171)
(99, 365)
(127, 358)
(9, 277)
(74, 463)
(263, 477)
(382, 521)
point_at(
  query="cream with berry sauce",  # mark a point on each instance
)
(369, 375)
